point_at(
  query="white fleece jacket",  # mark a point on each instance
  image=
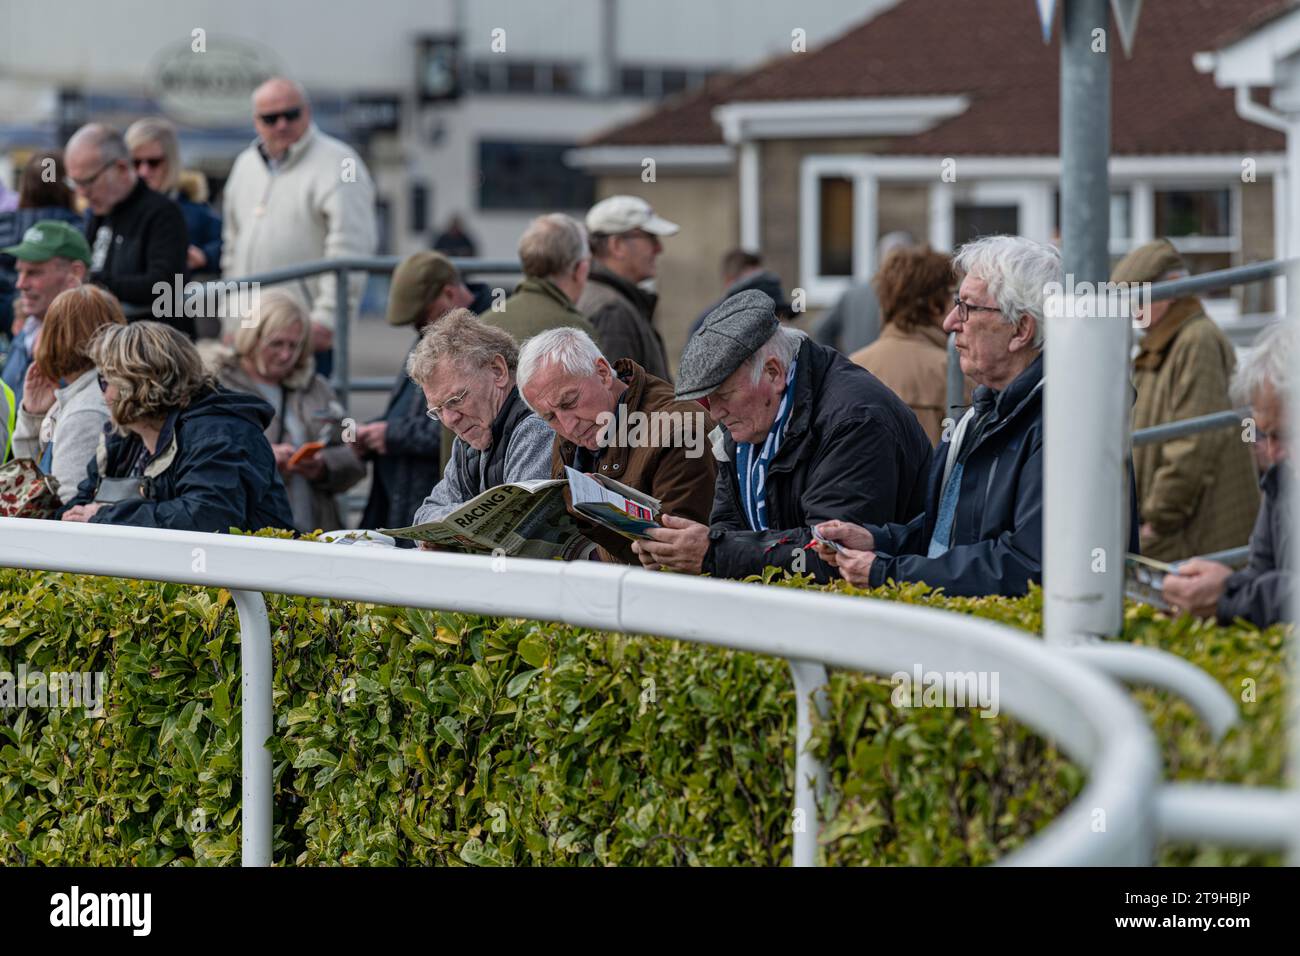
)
(319, 203)
(74, 422)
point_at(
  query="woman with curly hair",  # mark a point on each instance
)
(184, 453)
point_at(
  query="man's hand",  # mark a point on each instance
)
(846, 534)
(1196, 586)
(855, 566)
(82, 512)
(371, 437)
(38, 391)
(322, 337)
(195, 258)
(680, 545)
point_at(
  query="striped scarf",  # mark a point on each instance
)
(751, 469)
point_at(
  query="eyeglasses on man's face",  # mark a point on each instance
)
(450, 405)
(964, 308)
(291, 115)
(85, 184)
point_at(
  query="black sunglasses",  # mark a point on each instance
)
(290, 115)
(150, 162)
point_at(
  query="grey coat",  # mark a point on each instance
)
(1261, 591)
(318, 408)
(74, 423)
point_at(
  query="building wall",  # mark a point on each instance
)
(707, 208)
(1257, 233)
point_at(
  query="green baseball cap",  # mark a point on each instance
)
(416, 282)
(48, 239)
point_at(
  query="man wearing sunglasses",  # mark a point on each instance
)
(296, 195)
(137, 236)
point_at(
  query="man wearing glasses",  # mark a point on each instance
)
(466, 369)
(296, 195)
(625, 247)
(982, 529)
(137, 236)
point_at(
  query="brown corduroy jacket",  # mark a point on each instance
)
(1200, 492)
(670, 460)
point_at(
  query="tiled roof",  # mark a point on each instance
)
(992, 51)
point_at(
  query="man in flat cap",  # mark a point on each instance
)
(625, 238)
(404, 444)
(804, 436)
(1199, 493)
(617, 420)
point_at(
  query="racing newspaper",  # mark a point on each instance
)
(530, 519)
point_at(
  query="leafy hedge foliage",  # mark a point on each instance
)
(407, 737)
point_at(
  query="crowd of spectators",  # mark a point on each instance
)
(844, 435)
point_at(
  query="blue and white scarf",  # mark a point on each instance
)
(751, 469)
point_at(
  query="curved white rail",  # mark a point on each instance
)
(1093, 720)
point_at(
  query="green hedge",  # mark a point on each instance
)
(407, 737)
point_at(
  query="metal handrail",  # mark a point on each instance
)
(1093, 721)
(1168, 431)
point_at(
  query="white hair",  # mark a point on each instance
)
(783, 346)
(1017, 271)
(1266, 363)
(570, 348)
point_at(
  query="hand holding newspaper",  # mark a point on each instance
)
(531, 518)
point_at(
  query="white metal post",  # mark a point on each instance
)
(257, 727)
(809, 774)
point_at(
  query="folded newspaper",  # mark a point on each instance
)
(1144, 580)
(530, 519)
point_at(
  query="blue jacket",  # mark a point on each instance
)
(214, 470)
(204, 228)
(997, 531)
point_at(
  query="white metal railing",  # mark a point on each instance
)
(1059, 692)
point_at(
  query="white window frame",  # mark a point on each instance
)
(1032, 199)
(822, 290)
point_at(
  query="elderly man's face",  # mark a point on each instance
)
(39, 282)
(103, 185)
(1273, 437)
(575, 406)
(280, 117)
(468, 400)
(984, 339)
(747, 408)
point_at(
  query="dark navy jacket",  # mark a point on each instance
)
(204, 229)
(997, 533)
(214, 470)
(852, 450)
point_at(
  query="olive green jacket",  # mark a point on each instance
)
(1200, 492)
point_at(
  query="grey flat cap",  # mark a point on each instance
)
(729, 335)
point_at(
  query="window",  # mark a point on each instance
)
(835, 235)
(498, 75)
(1193, 213)
(521, 77)
(531, 176)
(672, 82)
(632, 81)
(972, 220)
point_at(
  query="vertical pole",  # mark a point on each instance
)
(956, 381)
(1086, 380)
(342, 329)
(809, 774)
(1292, 316)
(257, 727)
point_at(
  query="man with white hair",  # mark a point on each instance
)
(621, 422)
(982, 528)
(805, 435)
(1261, 592)
(296, 195)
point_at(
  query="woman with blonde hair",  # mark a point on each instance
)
(156, 156)
(63, 412)
(273, 360)
(184, 453)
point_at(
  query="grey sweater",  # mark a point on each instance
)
(74, 423)
(528, 455)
